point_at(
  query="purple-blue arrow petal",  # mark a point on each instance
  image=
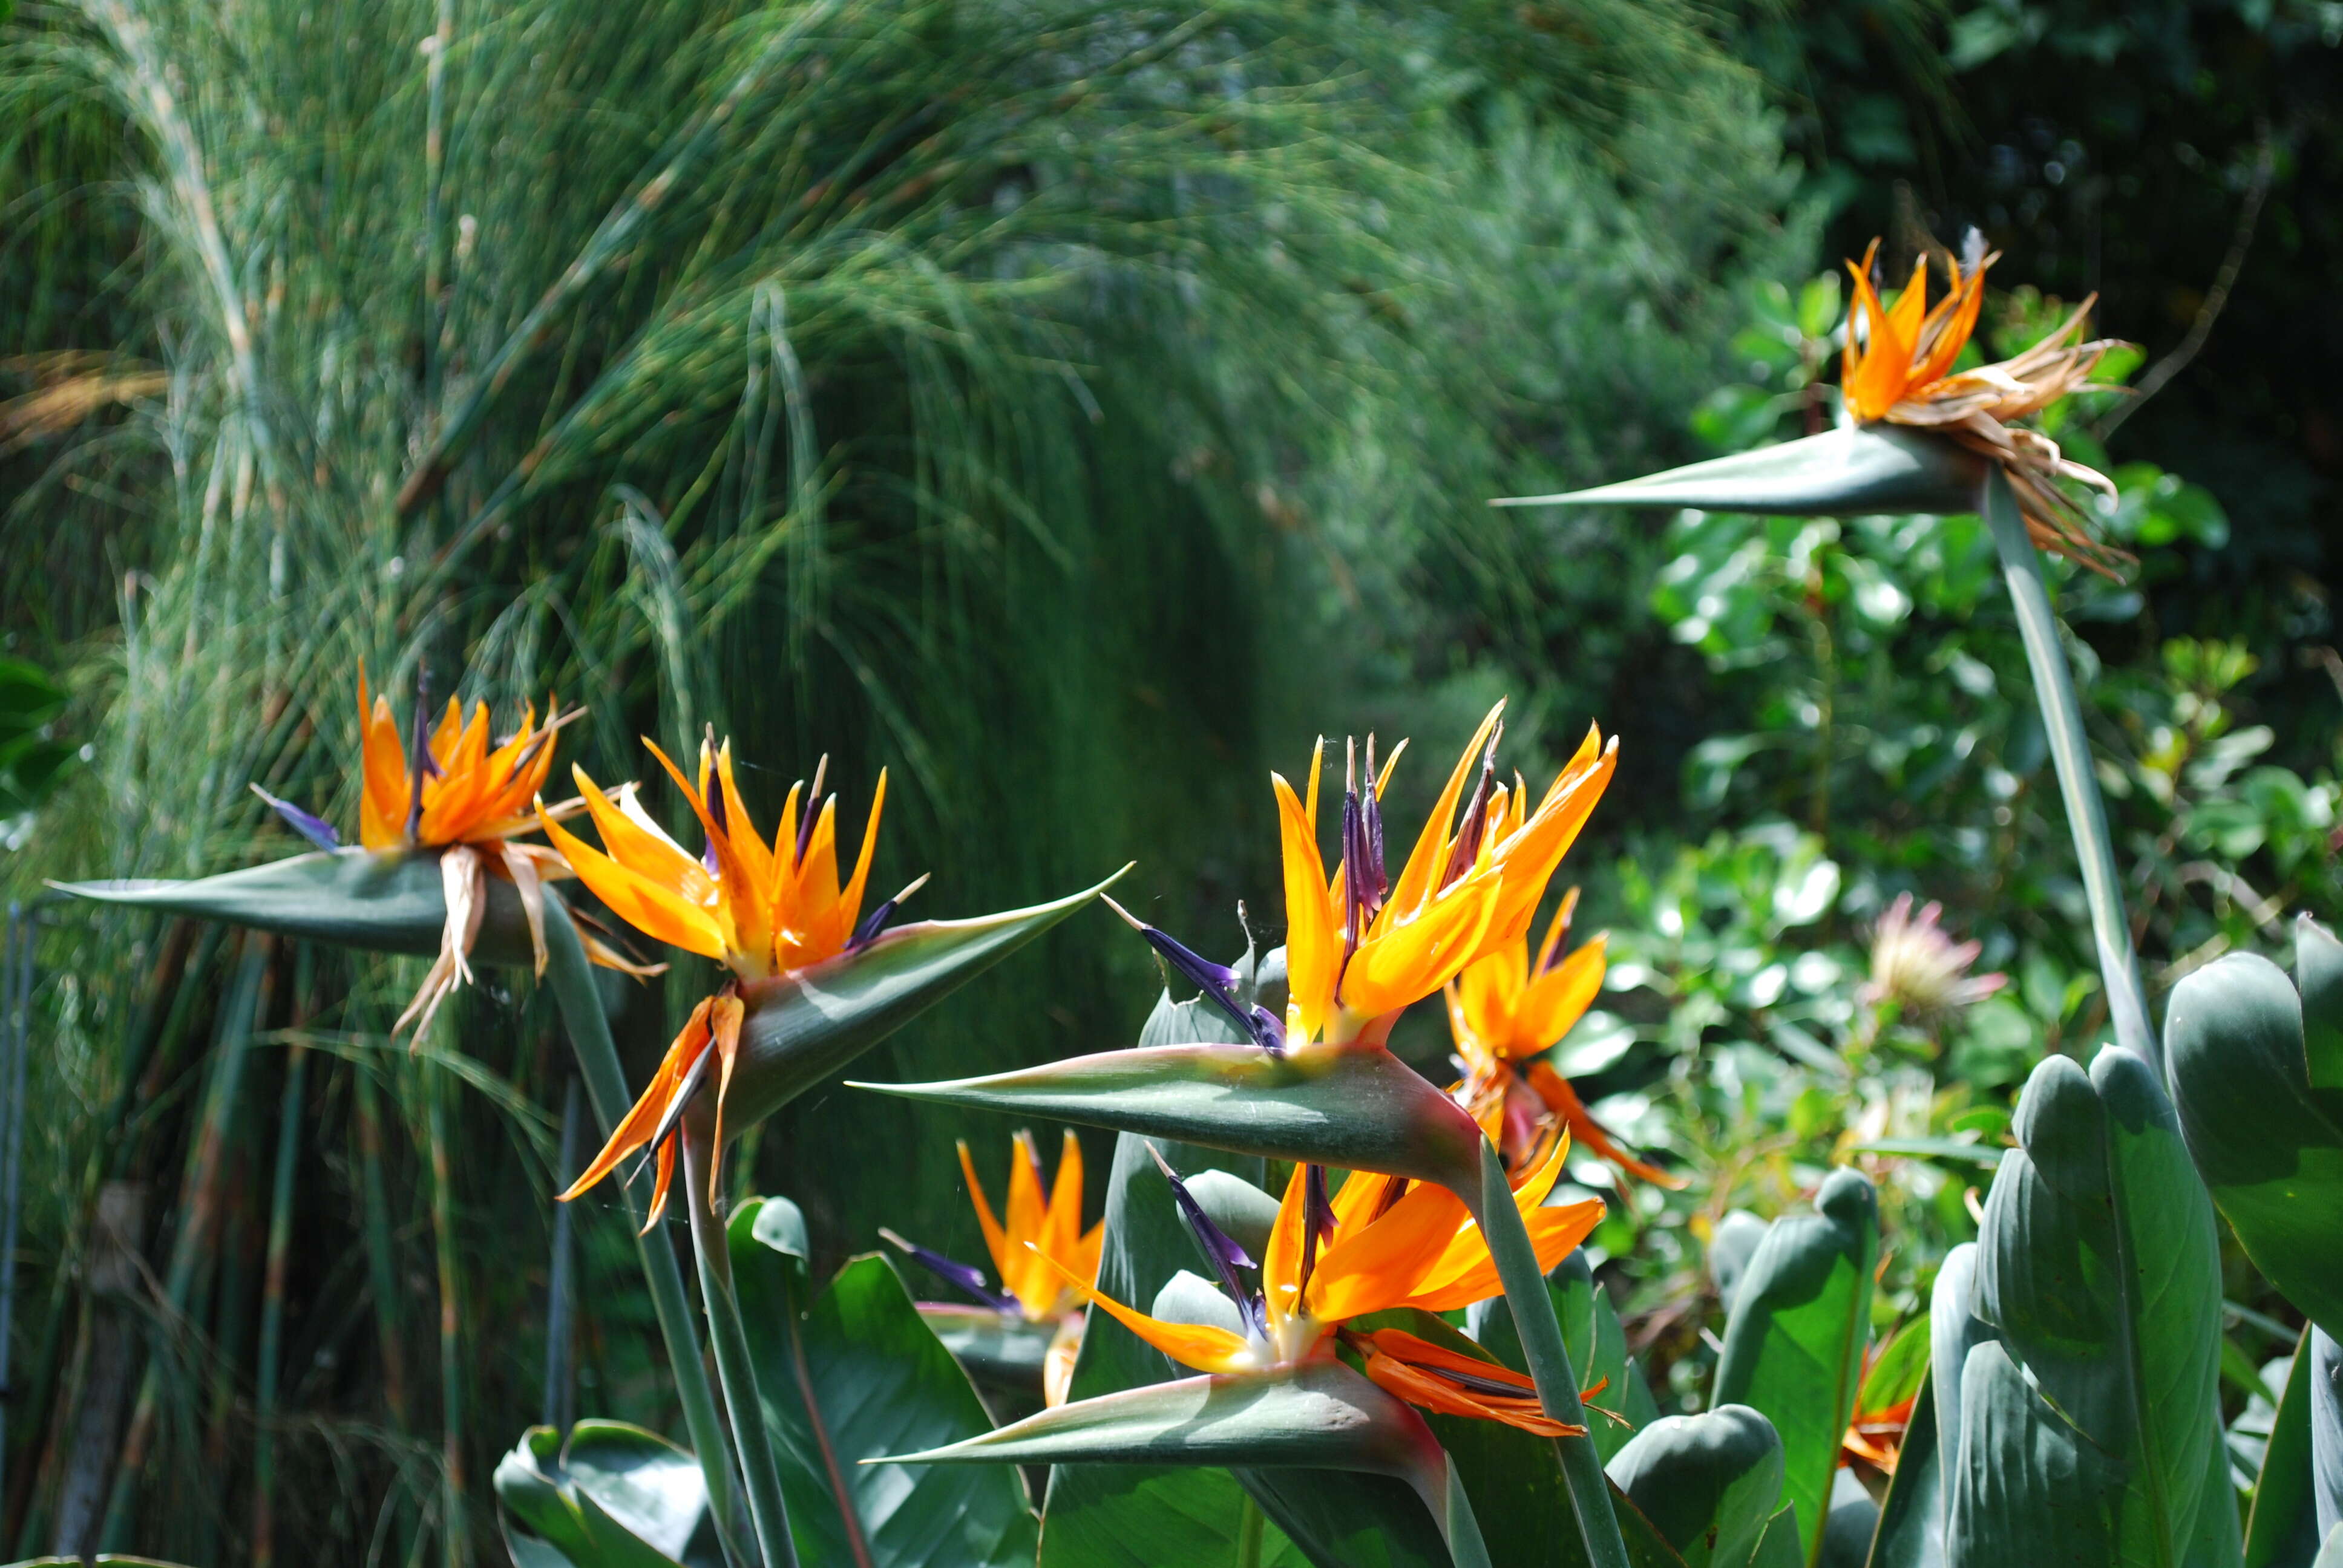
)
(1225, 1255)
(1217, 981)
(317, 829)
(959, 1276)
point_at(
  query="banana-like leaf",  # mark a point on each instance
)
(1319, 1415)
(801, 1029)
(1597, 1342)
(1130, 1515)
(2326, 1431)
(614, 1496)
(2318, 970)
(1781, 1546)
(385, 902)
(1954, 1329)
(1730, 1248)
(1911, 1532)
(851, 1373)
(1003, 1353)
(2268, 1144)
(1794, 1345)
(1859, 469)
(1354, 1107)
(2329, 1555)
(2099, 1266)
(1710, 1483)
(1853, 1520)
(2282, 1527)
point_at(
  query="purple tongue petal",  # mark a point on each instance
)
(957, 1275)
(1226, 1256)
(873, 924)
(317, 829)
(1217, 981)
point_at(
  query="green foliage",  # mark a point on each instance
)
(1794, 1347)
(609, 1496)
(1710, 1482)
(850, 1373)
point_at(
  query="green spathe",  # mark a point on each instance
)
(1319, 1415)
(384, 902)
(1856, 468)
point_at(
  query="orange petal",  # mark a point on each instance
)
(1198, 1345)
(1280, 1262)
(1430, 856)
(724, 1039)
(1559, 997)
(635, 1128)
(1312, 955)
(636, 899)
(995, 1242)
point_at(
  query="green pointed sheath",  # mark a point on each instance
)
(383, 901)
(1352, 1107)
(1319, 1415)
(1860, 468)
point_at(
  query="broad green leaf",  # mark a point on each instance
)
(801, 1029)
(1319, 1415)
(614, 1496)
(1860, 468)
(2026, 1487)
(2099, 1266)
(1895, 1372)
(2331, 1554)
(1794, 1345)
(1353, 1107)
(1853, 1520)
(1730, 1249)
(2269, 1145)
(382, 902)
(2326, 1431)
(2318, 970)
(997, 1350)
(2282, 1530)
(1597, 1344)
(1954, 1329)
(853, 1374)
(1781, 1546)
(1911, 1532)
(1710, 1483)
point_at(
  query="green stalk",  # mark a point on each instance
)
(272, 1309)
(382, 1248)
(571, 981)
(2061, 720)
(1251, 1528)
(739, 1374)
(456, 1543)
(1549, 1359)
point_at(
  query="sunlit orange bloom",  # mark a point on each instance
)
(1038, 1234)
(464, 797)
(1504, 1011)
(1897, 366)
(1392, 1243)
(1031, 1246)
(1876, 1437)
(765, 909)
(1361, 946)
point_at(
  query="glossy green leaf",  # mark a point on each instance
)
(2099, 1266)
(851, 1373)
(614, 1496)
(1794, 1345)
(1853, 1520)
(1782, 1544)
(387, 902)
(1896, 1370)
(1353, 1108)
(2330, 1555)
(801, 1029)
(2026, 1487)
(2326, 1431)
(2282, 1527)
(1954, 1329)
(2318, 972)
(1911, 1532)
(1710, 1483)
(1319, 1415)
(1730, 1248)
(2269, 1145)
(1597, 1342)
(1859, 469)
(1002, 1352)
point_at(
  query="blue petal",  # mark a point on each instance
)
(958, 1275)
(1225, 1256)
(317, 829)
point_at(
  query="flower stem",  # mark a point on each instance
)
(1549, 1359)
(572, 984)
(2062, 721)
(733, 1366)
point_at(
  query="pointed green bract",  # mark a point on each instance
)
(1794, 1345)
(1860, 468)
(847, 1374)
(614, 1496)
(1911, 1532)
(801, 1029)
(2237, 1046)
(1353, 1108)
(1319, 1415)
(387, 901)
(2281, 1528)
